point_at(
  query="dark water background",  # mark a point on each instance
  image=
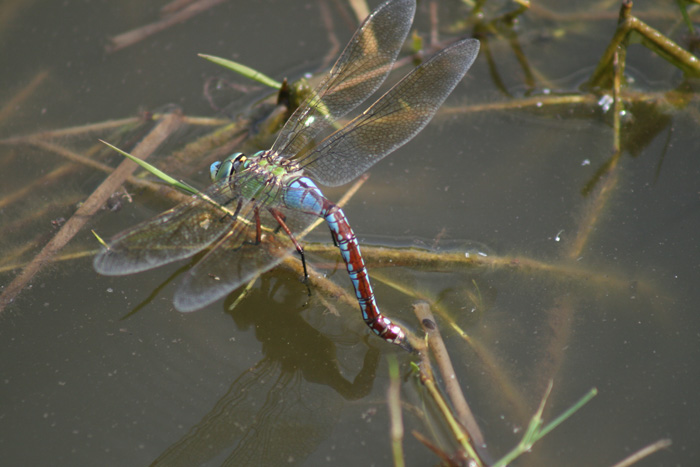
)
(83, 385)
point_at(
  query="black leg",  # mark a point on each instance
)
(280, 220)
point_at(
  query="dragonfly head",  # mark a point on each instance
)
(222, 170)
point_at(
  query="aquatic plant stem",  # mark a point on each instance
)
(463, 426)
(394, 403)
(651, 38)
(442, 358)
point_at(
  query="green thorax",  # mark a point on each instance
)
(264, 172)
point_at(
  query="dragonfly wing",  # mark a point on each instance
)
(175, 234)
(358, 73)
(237, 257)
(391, 121)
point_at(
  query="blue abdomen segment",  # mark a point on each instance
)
(303, 194)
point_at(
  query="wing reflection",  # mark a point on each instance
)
(278, 411)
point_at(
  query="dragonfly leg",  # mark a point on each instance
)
(258, 227)
(279, 217)
(335, 243)
(235, 214)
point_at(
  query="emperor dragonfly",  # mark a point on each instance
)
(256, 194)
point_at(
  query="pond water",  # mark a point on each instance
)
(590, 279)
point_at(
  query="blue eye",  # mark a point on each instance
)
(214, 170)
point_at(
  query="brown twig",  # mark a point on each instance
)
(80, 130)
(10, 107)
(609, 180)
(91, 205)
(377, 257)
(359, 7)
(134, 36)
(458, 431)
(434, 21)
(174, 6)
(61, 171)
(449, 377)
(394, 403)
(644, 452)
(444, 457)
(652, 38)
(327, 20)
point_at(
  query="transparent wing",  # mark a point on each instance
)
(175, 234)
(358, 73)
(391, 121)
(237, 257)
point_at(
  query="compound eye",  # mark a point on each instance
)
(214, 170)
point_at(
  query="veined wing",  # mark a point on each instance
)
(391, 121)
(175, 234)
(237, 257)
(358, 73)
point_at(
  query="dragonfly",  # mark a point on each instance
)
(236, 223)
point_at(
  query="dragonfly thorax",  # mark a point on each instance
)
(265, 164)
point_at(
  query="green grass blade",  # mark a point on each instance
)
(535, 432)
(99, 239)
(244, 70)
(155, 171)
(569, 412)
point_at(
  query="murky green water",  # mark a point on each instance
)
(103, 371)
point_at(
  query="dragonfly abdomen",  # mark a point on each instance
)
(303, 194)
(350, 251)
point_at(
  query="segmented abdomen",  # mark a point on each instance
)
(304, 195)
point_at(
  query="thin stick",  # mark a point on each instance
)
(79, 130)
(8, 109)
(644, 452)
(442, 358)
(164, 129)
(69, 155)
(652, 38)
(458, 431)
(602, 196)
(359, 7)
(434, 20)
(59, 172)
(394, 402)
(134, 36)
(327, 21)
(378, 257)
(174, 6)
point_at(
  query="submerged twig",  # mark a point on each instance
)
(611, 175)
(331, 36)
(394, 403)
(11, 106)
(652, 38)
(442, 358)
(159, 134)
(134, 36)
(458, 431)
(444, 457)
(644, 452)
